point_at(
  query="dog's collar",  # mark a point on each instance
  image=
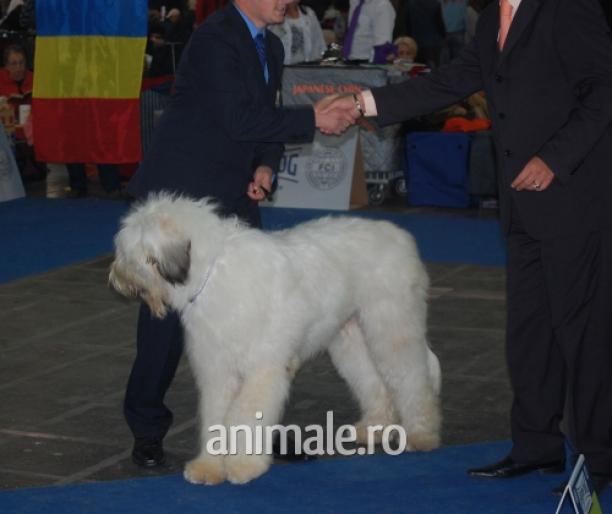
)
(198, 292)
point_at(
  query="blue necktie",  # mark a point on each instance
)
(260, 45)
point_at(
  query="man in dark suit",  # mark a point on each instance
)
(546, 68)
(220, 137)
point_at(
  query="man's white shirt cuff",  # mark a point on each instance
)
(369, 104)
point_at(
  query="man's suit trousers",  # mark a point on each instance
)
(559, 344)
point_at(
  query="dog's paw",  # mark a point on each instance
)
(242, 469)
(204, 471)
(422, 441)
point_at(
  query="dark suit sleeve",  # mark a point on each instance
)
(269, 154)
(229, 97)
(425, 94)
(584, 46)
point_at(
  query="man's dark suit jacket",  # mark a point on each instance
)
(550, 95)
(222, 121)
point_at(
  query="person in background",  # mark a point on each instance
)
(301, 34)
(454, 18)
(427, 28)
(333, 21)
(110, 180)
(177, 21)
(407, 49)
(158, 54)
(16, 87)
(15, 78)
(370, 25)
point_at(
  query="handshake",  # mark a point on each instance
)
(335, 113)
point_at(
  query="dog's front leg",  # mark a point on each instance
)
(258, 404)
(217, 388)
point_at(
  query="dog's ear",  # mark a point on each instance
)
(174, 262)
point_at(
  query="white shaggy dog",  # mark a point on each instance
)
(256, 305)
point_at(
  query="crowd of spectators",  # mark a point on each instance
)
(366, 28)
(429, 32)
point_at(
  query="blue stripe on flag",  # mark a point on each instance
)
(91, 18)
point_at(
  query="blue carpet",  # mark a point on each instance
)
(39, 234)
(420, 483)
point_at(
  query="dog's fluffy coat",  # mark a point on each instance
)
(256, 305)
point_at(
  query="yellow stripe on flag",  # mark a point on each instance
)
(88, 67)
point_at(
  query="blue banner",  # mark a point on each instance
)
(126, 18)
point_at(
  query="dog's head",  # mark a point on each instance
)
(152, 254)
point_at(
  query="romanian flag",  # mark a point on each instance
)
(87, 75)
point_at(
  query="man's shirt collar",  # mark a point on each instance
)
(252, 27)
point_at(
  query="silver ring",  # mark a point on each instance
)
(536, 186)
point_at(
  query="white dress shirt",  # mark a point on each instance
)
(374, 27)
(515, 4)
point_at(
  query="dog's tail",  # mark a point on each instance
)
(435, 373)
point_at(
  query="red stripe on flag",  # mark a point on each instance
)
(86, 130)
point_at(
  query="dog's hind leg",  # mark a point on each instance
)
(351, 358)
(258, 406)
(217, 388)
(396, 338)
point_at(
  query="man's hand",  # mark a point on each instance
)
(345, 103)
(333, 115)
(262, 183)
(535, 176)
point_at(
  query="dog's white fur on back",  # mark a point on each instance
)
(256, 305)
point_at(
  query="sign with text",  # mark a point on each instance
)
(318, 175)
(381, 147)
(580, 491)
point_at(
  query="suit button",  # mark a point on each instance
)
(507, 153)
(499, 78)
(502, 116)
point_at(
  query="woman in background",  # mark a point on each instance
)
(301, 34)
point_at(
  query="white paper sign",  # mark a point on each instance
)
(317, 175)
(580, 490)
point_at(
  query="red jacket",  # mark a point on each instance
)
(8, 87)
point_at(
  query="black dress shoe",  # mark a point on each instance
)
(508, 468)
(600, 483)
(290, 455)
(148, 453)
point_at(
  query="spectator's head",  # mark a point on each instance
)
(407, 48)
(174, 16)
(15, 62)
